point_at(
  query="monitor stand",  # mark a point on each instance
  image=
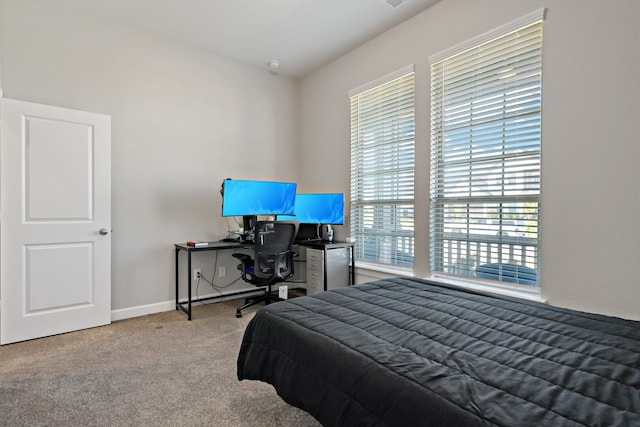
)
(248, 225)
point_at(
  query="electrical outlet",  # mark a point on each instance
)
(197, 272)
(282, 292)
(222, 271)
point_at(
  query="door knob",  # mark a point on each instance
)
(103, 231)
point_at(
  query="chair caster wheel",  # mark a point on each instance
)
(238, 314)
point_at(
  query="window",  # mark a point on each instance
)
(485, 156)
(382, 170)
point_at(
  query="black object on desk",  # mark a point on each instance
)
(211, 246)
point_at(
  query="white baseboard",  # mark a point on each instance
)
(143, 310)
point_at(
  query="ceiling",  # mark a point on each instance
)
(302, 35)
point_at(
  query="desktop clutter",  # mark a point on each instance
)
(315, 212)
(274, 217)
(296, 217)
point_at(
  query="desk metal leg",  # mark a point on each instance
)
(325, 255)
(178, 305)
(177, 281)
(189, 285)
(353, 266)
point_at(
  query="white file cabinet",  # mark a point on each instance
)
(315, 271)
(327, 269)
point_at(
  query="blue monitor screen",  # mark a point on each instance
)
(318, 209)
(241, 197)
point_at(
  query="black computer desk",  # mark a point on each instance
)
(211, 246)
(217, 246)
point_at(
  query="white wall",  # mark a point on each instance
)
(591, 182)
(182, 120)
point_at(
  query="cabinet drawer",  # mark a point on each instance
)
(315, 255)
(315, 274)
(314, 266)
(317, 284)
(313, 289)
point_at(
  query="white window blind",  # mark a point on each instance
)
(485, 158)
(382, 170)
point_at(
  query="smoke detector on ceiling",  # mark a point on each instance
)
(395, 3)
(274, 64)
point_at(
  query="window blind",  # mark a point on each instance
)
(382, 170)
(485, 158)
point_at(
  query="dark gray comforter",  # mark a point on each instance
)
(409, 352)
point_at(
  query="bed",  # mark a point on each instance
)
(408, 352)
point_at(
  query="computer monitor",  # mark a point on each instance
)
(248, 198)
(318, 208)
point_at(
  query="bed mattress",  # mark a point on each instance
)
(411, 352)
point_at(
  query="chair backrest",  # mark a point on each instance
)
(273, 258)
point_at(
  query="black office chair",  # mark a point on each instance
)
(272, 261)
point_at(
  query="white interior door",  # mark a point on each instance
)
(55, 221)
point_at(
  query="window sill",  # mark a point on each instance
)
(524, 292)
(386, 269)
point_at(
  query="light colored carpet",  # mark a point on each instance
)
(154, 370)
